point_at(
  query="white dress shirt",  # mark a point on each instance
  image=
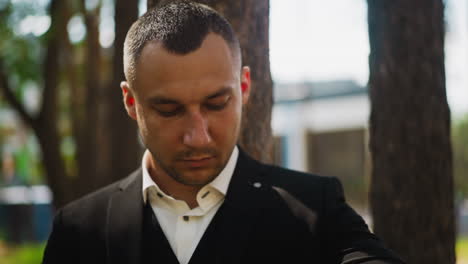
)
(182, 226)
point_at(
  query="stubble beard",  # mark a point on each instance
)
(179, 176)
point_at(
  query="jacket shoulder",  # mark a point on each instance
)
(283, 175)
(80, 226)
(301, 184)
(94, 204)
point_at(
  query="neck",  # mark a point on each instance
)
(170, 186)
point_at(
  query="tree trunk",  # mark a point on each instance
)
(46, 125)
(250, 20)
(124, 149)
(87, 123)
(412, 184)
(102, 156)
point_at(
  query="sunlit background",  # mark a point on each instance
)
(313, 40)
(319, 63)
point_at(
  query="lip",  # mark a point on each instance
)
(198, 161)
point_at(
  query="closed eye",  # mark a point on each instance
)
(218, 103)
(168, 110)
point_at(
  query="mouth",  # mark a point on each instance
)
(198, 162)
(198, 158)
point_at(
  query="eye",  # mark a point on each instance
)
(168, 110)
(218, 103)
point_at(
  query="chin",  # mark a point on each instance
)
(201, 178)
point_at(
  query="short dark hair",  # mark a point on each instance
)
(181, 27)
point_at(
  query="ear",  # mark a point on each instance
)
(128, 99)
(245, 84)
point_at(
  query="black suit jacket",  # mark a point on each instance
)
(270, 215)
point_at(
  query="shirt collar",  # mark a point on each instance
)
(220, 183)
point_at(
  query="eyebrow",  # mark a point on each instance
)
(164, 100)
(225, 90)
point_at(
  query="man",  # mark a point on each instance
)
(198, 198)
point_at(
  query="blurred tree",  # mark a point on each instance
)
(124, 149)
(250, 20)
(76, 87)
(45, 123)
(85, 102)
(412, 184)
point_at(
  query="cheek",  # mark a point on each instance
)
(147, 125)
(142, 126)
(225, 127)
(155, 131)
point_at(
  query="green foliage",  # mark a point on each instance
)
(462, 250)
(24, 254)
(21, 54)
(460, 156)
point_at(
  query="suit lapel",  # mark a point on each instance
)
(124, 221)
(226, 238)
(155, 244)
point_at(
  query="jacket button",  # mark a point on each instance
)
(257, 185)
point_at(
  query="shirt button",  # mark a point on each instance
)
(186, 218)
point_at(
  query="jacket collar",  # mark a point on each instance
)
(227, 236)
(124, 221)
(245, 183)
(239, 212)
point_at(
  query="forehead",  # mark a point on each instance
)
(206, 69)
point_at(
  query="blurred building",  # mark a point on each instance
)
(321, 127)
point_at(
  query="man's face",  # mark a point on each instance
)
(188, 108)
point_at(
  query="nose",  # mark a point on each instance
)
(197, 133)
